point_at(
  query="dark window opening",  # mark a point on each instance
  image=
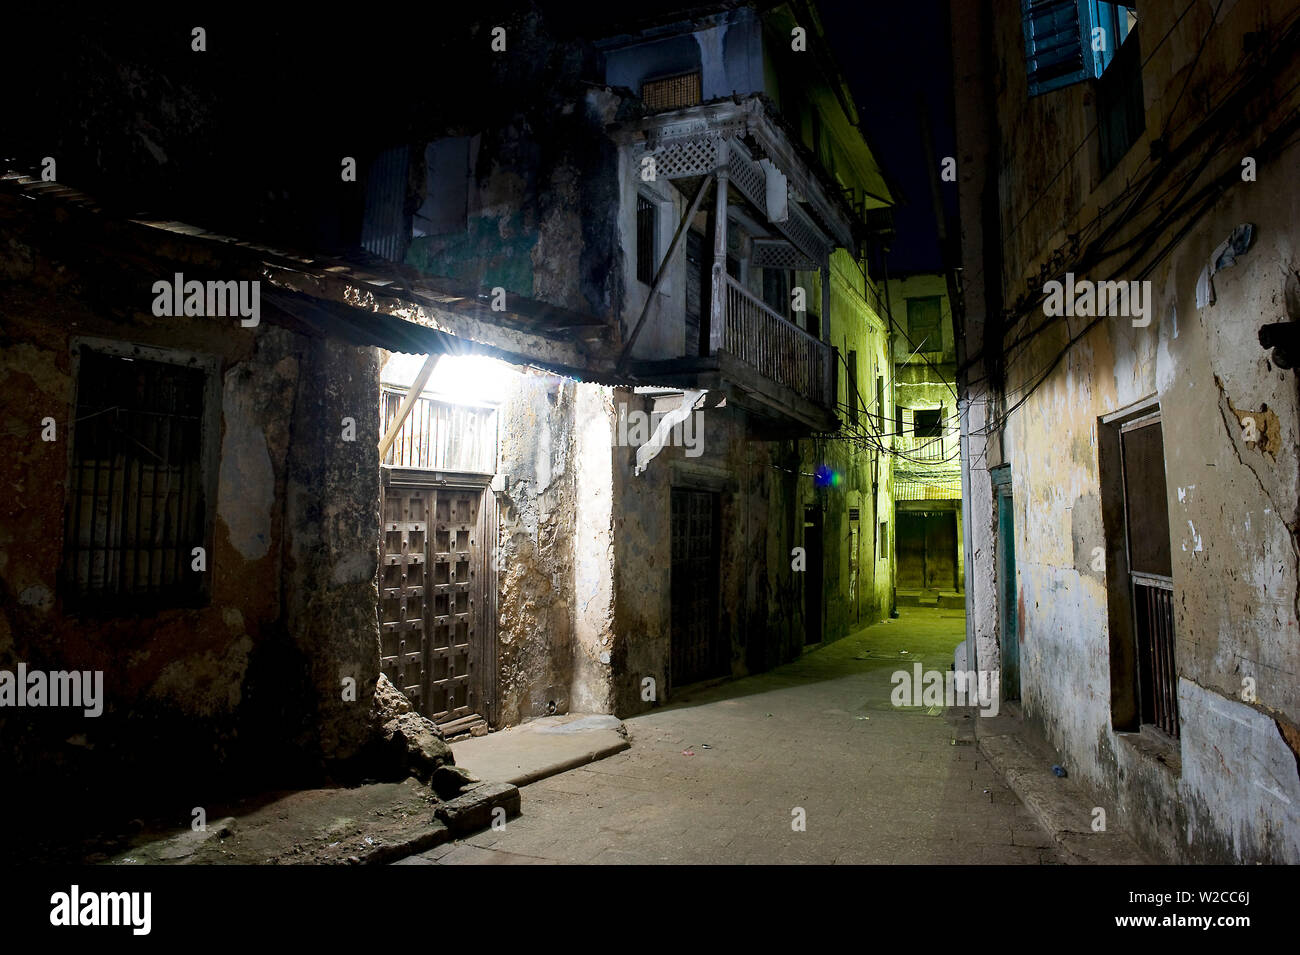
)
(880, 402)
(136, 507)
(645, 240)
(1150, 568)
(696, 283)
(814, 322)
(853, 388)
(927, 424)
(1121, 114)
(776, 290)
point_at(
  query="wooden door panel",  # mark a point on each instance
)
(433, 597)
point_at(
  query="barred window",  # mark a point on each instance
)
(671, 92)
(136, 505)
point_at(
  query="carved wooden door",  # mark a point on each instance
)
(433, 584)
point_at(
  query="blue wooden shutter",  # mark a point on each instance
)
(1054, 44)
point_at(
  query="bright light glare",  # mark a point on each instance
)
(475, 378)
(471, 379)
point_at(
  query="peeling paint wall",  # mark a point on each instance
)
(540, 195)
(200, 684)
(538, 510)
(759, 600)
(1228, 790)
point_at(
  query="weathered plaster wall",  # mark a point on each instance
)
(1232, 505)
(760, 596)
(194, 683)
(593, 552)
(332, 512)
(538, 511)
(854, 327)
(727, 50)
(540, 218)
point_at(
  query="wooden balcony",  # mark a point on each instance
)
(760, 360)
(773, 346)
(923, 449)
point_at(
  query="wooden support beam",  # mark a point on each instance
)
(404, 409)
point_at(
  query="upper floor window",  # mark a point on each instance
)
(671, 92)
(924, 323)
(1121, 112)
(927, 423)
(776, 290)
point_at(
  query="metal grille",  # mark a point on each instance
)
(136, 505)
(697, 650)
(645, 240)
(671, 92)
(1154, 607)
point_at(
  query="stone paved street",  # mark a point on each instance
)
(877, 784)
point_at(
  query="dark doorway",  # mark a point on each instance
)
(814, 577)
(697, 279)
(926, 550)
(1008, 617)
(1146, 518)
(698, 650)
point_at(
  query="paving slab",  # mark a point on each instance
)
(807, 763)
(541, 748)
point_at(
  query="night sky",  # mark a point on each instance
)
(277, 90)
(895, 57)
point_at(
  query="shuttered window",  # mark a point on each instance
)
(1071, 40)
(1053, 44)
(645, 240)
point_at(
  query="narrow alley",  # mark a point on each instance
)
(677, 433)
(877, 783)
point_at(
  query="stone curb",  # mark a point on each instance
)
(554, 769)
(472, 811)
(435, 834)
(1059, 805)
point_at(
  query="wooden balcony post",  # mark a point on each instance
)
(826, 301)
(718, 303)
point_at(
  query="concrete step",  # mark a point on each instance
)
(540, 748)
